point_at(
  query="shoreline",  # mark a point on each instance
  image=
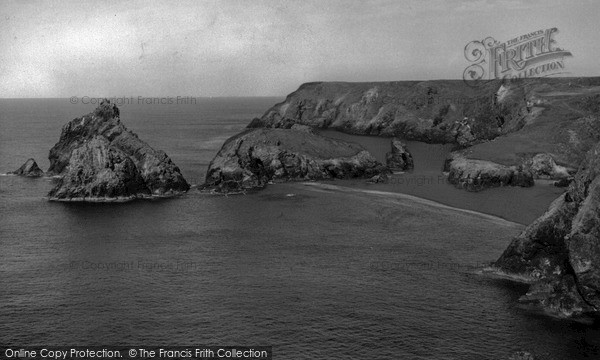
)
(428, 181)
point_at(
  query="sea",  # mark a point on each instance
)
(317, 270)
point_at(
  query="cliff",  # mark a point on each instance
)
(99, 159)
(255, 157)
(498, 124)
(559, 253)
(430, 111)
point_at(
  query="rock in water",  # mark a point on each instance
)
(399, 158)
(475, 175)
(99, 159)
(560, 251)
(98, 170)
(254, 157)
(30, 169)
(543, 166)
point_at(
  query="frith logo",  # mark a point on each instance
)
(529, 55)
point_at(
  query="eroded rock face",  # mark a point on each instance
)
(543, 166)
(430, 111)
(99, 158)
(98, 170)
(399, 159)
(253, 158)
(29, 169)
(560, 252)
(476, 175)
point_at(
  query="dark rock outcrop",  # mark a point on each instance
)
(30, 169)
(254, 157)
(543, 166)
(98, 170)
(399, 158)
(559, 253)
(476, 175)
(99, 159)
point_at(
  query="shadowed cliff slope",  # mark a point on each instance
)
(560, 252)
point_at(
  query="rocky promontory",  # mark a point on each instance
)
(255, 157)
(559, 253)
(543, 126)
(429, 111)
(99, 159)
(30, 169)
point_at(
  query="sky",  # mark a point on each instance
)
(264, 48)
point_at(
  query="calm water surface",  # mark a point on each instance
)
(318, 272)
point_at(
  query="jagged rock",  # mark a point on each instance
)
(399, 158)
(99, 158)
(252, 158)
(543, 166)
(475, 175)
(560, 251)
(30, 169)
(99, 170)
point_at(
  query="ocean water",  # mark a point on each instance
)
(335, 270)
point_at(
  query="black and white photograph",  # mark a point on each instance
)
(300, 179)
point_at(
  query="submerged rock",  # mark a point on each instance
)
(475, 175)
(98, 158)
(560, 252)
(29, 169)
(399, 158)
(255, 157)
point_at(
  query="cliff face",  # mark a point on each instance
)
(508, 132)
(97, 157)
(560, 252)
(431, 111)
(255, 157)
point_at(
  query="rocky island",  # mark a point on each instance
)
(256, 157)
(98, 159)
(30, 169)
